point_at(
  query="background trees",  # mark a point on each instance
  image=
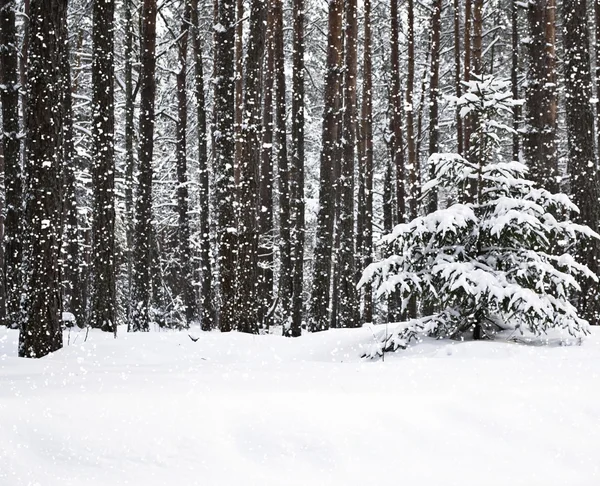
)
(240, 158)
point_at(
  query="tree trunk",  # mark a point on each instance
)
(207, 313)
(286, 283)
(9, 78)
(103, 311)
(458, 76)
(184, 252)
(298, 167)
(142, 282)
(434, 81)
(365, 198)
(239, 86)
(224, 148)
(396, 118)
(246, 292)
(541, 97)
(266, 224)
(129, 155)
(580, 123)
(41, 331)
(319, 299)
(71, 248)
(348, 308)
(514, 79)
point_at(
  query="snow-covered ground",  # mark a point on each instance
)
(159, 409)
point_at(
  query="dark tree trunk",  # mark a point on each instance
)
(434, 81)
(207, 312)
(396, 118)
(541, 97)
(239, 86)
(365, 191)
(41, 331)
(298, 167)
(348, 303)
(129, 154)
(318, 319)
(247, 307)
(266, 224)
(458, 76)
(142, 281)
(580, 129)
(224, 148)
(103, 310)
(185, 273)
(9, 78)
(413, 162)
(71, 248)
(514, 79)
(286, 282)
(467, 122)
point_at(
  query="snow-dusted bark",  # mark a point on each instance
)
(11, 147)
(224, 151)
(103, 285)
(583, 167)
(139, 319)
(318, 318)
(41, 331)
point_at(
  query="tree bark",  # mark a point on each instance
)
(298, 167)
(103, 315)
(142, 282)
(41, 331)
(9, 78)
(224, 148)
(185, 289)
(207, 311)
(318, 319)
(247, 306)
(580, 123)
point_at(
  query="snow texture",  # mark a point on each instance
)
(157, 409)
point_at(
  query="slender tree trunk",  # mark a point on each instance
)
(246, 292)
(142, 282)
(514, 79)
(478, 37)
(207, 316)
(365, 198)
(129, 141)
(413, 163)
(71, 248)
(458, 76)
(434, 81)
(467, 122)
(41, 331)
(239, 85)
(298, 167)
(224, 147)
(580, 123)
(185, 270)
(103, 315)
(396, 119)
(348, 303)
(286, 283)
(320, 292)
(541, 98)
(266, 224)
(9, 79)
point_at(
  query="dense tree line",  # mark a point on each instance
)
(234, 162)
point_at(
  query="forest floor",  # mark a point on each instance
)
(157, 409)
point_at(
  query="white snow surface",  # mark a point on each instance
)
(158, 409)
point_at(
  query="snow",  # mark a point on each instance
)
(156, 408)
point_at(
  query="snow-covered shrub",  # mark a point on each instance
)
(499, 255)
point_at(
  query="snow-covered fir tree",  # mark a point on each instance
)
(499, 254)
